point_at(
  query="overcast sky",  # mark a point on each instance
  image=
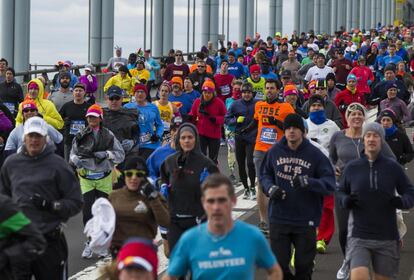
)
(59, 29)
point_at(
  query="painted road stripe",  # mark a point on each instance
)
(242, 207)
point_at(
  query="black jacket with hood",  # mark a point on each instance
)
(182, 171)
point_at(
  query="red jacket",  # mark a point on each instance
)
(346, 97)
(363, 74)
(204, 125)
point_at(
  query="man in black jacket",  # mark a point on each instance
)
(11, 93)
(47, 192)
(373, 187)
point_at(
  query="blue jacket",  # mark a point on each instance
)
(155, 66)
(239, 108)
(236, 69)
(157, 158)
(149, 122)
(302, 207)
(375, 184)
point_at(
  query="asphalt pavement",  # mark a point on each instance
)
(326, 264)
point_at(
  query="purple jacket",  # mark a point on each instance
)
(91, 87)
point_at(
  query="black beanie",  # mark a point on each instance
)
(137, 163)
(316, 99)
(294, 120)
(330, 76)
(388, 112)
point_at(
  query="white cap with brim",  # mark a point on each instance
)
(93, 114)
(35, 125)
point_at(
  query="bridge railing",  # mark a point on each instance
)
(26, 76)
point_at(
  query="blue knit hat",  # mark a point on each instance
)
(351, 77)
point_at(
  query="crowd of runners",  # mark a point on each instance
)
(291, 113)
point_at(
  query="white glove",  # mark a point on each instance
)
(90, 79)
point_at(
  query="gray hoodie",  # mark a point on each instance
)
(48, 175)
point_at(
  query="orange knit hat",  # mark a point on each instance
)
(209, 86)
(95, 111)
(177, 80)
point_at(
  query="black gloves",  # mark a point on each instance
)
(396, 202)
(212, 119)
(41, 203)
(276, 193)
(352, 201)
(276, 122)
(342, 107)
(148, 190)
(300, 181)
(154, 138)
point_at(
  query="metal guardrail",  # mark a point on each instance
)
(98, 66)
(101, 77)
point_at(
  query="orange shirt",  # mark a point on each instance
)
(194, 67)
(268, 134)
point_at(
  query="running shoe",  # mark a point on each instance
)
(321, 246)
(87, 251)
(246, 194)
(253, 193)
(343, 272)
(103, 254)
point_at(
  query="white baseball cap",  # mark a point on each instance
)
(35, 125)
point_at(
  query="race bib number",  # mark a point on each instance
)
(166, 125)
(94, 175)
(10, 106)
(145, 138)
(268, 135)
(76, 126)
(225, 90)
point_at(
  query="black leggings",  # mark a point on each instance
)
(244, 151)
(212, 145)
(177, 227)
(342, 216)
(88, 200)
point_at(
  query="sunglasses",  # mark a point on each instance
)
(117, 98)
(201, 66)
(178, 55)
(29, 110)
(132, 172)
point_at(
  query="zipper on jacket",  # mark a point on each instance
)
(376, 179)
(370, 175)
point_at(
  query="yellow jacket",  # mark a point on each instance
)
(127, 84)
(139, 75)
(45, 107)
